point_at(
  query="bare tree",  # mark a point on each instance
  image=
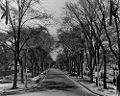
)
(17, 18)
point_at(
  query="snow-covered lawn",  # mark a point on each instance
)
(48, 93)
(110, 91)
(5, 86)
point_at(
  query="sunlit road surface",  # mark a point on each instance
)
(56, 83)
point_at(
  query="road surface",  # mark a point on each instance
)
(57, 83)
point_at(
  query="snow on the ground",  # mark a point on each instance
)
(5, 86)
(110, 91)
(48, 93)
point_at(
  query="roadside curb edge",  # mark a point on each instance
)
(88, 88)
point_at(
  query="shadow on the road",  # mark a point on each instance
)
(56, 76)
(57, 85)
(44, 87)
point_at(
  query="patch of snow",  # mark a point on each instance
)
(48, 93)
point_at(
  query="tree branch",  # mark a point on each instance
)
(24, 43)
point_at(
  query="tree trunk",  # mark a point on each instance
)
(91, 76)
(67, 61)
(22, 78)
(74, 65)
(32, 69)
(119, 64)
(118, 40)
(38, 69)
(21, 71)
(35, 69)
(81, 69)
(70, 66)
(42, 69)
(105, 70)
(15, 70)
(77, 66)
(78, 71)
(16, 57)
(81, 63)
(15, 76)
(67, 66)
(91, 67)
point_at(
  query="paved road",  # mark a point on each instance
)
(56, 79)
(57, 83)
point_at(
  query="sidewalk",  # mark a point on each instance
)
(110, 91)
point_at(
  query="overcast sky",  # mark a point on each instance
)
(55, 7)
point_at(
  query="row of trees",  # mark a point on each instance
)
(90, 33)
(25, 43)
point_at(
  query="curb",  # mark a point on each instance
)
(87, 88)
(90, 89)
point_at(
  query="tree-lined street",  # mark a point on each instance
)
(83, 41)
(57, 83)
